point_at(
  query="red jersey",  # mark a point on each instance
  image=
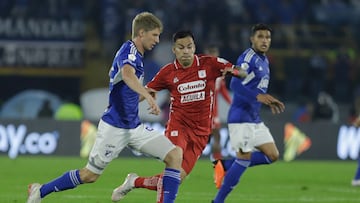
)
(191, 91)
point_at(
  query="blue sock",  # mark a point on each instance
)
(231, 178)
(258, 158)
(68, 180)
(228, 163)
(171, 182)
(357, 174)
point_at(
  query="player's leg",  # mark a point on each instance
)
(98, 160)
(241, 138)
(233, 175)
(216, 156)
(267, 154)
(356, 180)
(193, 150)
(216, 146)
(151, 182)
(172, 175)
(267, 151)
(68, 180)
(193, 147)
(148, 141)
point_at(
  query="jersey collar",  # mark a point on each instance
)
(195, 63)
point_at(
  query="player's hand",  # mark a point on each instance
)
(153, 107)
(234, 71)
(227, 71)
(277, 108)
(275, 105)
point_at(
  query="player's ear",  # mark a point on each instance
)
(173, 49)
(141, 32)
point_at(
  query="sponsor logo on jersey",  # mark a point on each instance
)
(132, 57)
(244, 66)
(174, 133)
(202, 74)
(263, 83)
(108, 153)
(193, 97)
(176, 80)
(110, 146)
(191, 86)
(149, 128)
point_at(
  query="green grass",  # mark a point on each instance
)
(294, 182)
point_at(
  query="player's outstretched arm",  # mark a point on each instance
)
(129, 77)
(150, 91)
(236, 71)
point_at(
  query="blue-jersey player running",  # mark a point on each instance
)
(249, 136)
(120, 125)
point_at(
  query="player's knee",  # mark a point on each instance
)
(174, 158)
(87, 176)
(274, 156)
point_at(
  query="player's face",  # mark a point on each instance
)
(184, 50)
(261, 41)
(150, 38)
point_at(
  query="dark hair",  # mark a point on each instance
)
(260, 26)
(182, 34)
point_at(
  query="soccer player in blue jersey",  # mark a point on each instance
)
(356, 181)
(249, 136)
(120, 125)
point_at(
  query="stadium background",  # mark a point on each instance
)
(65, 48)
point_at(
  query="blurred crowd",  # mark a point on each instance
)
(314, 47)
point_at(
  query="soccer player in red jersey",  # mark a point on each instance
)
(190, 79)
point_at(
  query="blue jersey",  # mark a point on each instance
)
(245, 108)
(123, 109)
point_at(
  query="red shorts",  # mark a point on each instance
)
(191, 144)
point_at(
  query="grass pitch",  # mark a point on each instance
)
(294, 182)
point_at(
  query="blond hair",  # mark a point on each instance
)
(146, 21)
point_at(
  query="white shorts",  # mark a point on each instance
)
(110, 141)
(247, 136)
